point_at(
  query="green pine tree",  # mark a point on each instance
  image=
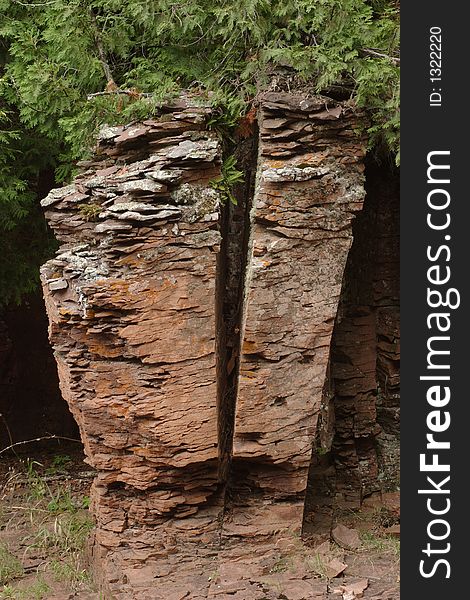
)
(58, 56)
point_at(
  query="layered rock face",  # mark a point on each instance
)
(131, 303)
(361, 437)
(192, 339)
(310, 184)
(366, 349)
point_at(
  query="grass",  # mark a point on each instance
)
(59, 464)
(281, 565)
(59, 499)
(299, 552)
(55, 526)
(10, 566)
(317, 565)
(69, 571)
(67, 535)
(385, 544)
(39, 590)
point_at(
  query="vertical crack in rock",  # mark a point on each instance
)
(233, 257)
(310, 185)
(318, 508)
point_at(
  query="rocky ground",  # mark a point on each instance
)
(45, 528)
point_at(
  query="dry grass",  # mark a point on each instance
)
(44, 529)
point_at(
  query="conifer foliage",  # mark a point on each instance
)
(67, 66)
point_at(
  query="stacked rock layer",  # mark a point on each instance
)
(310, 185)
(134, 304)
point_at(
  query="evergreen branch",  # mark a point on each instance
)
(53, 57)
(21, 98)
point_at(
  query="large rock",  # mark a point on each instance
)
(146, 317)
(132, 310)
(310, 185)
(365, 354)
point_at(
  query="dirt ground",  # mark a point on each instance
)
(45, 524)
(45, 527)
(377, 559)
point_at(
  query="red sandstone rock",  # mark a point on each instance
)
(354, 590)
(302, 212)
(346, 537)
(334, 567)
(393, 530)
(132, 299)
(391, 501)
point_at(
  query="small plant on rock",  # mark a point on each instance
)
(90, 212)
(228, 178)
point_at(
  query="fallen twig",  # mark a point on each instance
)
(39, 439)
(371, 52)
(132, 93)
